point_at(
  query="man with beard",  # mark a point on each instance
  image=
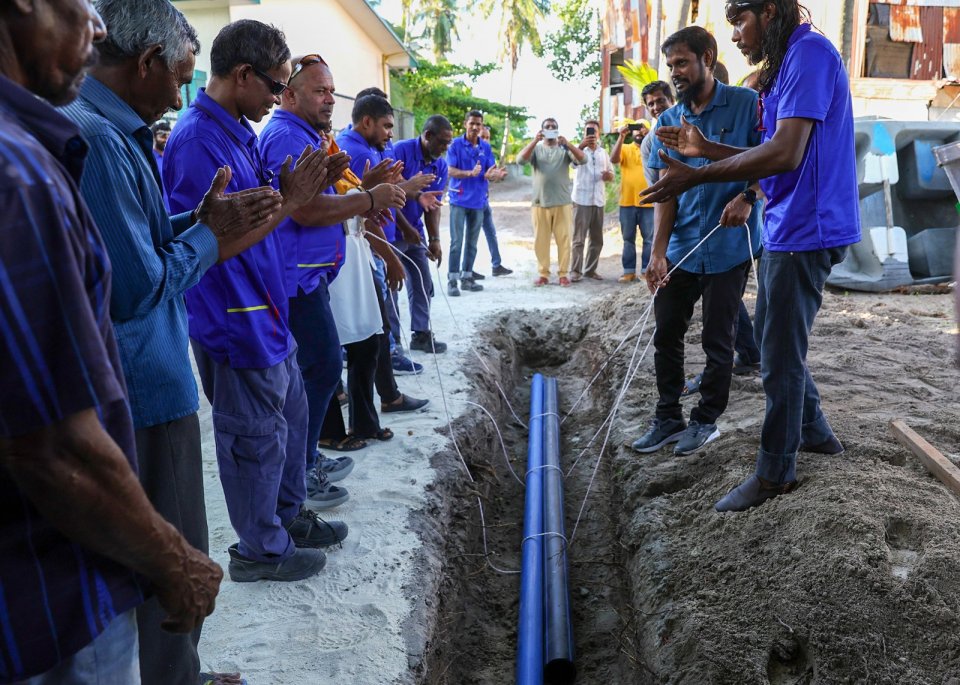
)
(161, 132)
(634, 213)
(717, 270)
(424, 155)
(148, 54)
(807, 164)
(80, 543)
(245, 353)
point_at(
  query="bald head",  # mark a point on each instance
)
(309, 93)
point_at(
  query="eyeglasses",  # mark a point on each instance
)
(276, 87)
(735, 7)
(303, 63)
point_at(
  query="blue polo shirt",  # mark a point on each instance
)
(361, 152)
(312, 253)
(817, 205)
(470, 193)
(58, 357)
(238, 310)
(410, 152)
(155, 259)
(730, 118)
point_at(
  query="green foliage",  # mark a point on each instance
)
(439, 20)
(575, 49)
(444, 89)
(638, 74)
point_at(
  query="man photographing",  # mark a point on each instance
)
(807, 165)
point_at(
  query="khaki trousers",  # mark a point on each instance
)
(556, 223)
(587, 226)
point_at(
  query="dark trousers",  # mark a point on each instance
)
(790, 295)
(171, 473)
(673, 310)
(319, 357)
(419, 284)
(746, 344)
(490, 232)
(362, 362)
(260, 428)
(384, 380)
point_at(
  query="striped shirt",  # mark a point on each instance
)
(154, 259)
(58, 357)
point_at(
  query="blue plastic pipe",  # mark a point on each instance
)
(559, 668)
(530, 625)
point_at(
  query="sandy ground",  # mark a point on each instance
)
(359, 621)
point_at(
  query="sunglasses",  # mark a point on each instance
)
(305, 61)
(276, 87)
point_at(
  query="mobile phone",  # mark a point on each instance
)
(551, 134)
(634, 127)
(591, 131)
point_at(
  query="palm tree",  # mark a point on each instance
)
(519, 26)
(439, 19)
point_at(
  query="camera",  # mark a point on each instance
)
(634, 127)
(591, 131)
(551, 134)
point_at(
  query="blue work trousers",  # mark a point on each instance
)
(319, 357)
(113, 657)
(260, 428)
(790, 295)
(419, 284)
(490, 232)
(465, 226)
(632, 218)
(746, 344)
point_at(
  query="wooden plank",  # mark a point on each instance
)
(933, 460)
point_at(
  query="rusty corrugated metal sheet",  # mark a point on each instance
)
(922, 3)
(905, 24)
(928, 54)
(951, 43)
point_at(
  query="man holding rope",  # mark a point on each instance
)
(808, 164)
(711, 267)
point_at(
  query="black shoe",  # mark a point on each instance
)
(742, 367)
(452, 291)
(695, 437)
(502, 271)
(661, 432)
(425, 342)
(309, 530)
(830, 446)
(303, 564)
(407, 403)
(752, 493)
(476, 276)
(468, 284)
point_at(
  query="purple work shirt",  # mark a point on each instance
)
(312, 253)
(238, 310)
(470, 193)
(361, 152)
(410, 152)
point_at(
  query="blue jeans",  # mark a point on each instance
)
(390, 310)
(419, 284)
(632, 218)
(490, 231)
(260, 430)
(791, 292)
(319, 357)
(113, 657)
(746, 344)
(465, 226)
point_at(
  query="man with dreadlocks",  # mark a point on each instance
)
(807, 168)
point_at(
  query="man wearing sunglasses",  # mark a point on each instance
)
(239, 331)
(807, 165)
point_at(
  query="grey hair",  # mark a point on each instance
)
(136, 25)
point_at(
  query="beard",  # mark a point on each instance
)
(688, 95)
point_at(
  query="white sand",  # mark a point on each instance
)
(345, 625)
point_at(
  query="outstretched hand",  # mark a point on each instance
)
(686, 138)
(301, 184)
(675, 179)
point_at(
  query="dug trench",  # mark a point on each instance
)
(853, 578)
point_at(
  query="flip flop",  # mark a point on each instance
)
(218, 678)
(382, 435)
(351, 443)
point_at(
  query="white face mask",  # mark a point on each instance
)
(551, 134)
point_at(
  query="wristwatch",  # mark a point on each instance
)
(750, 195)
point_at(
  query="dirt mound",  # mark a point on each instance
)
(853, 578)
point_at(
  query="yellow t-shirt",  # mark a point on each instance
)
(632, 180)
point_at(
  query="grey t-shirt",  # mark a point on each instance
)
(551, 175)
(646, 147)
